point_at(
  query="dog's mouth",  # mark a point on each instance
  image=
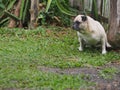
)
(76, 28)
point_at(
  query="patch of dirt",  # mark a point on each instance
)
(92, 74)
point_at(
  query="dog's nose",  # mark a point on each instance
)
(74, 27)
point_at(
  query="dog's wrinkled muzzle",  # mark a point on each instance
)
(75, 27)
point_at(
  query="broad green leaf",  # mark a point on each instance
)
(68, 7)
(1, 13)
(25, 10)
(2, 6)
(4, 20)
(64, 10)
(21, 9)
(48, 5)
(11, 4)
(12, 15)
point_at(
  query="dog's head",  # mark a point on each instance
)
(80, 22)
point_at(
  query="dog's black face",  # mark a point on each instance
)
(76, 23)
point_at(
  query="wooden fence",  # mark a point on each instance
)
(103, 6)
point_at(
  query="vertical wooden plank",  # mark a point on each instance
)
(88, 5)
(106, 8)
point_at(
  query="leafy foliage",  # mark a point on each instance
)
(7, 7)
(57, 12)
(64, 10)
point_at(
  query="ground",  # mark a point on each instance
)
(48, 59)
(91, 74)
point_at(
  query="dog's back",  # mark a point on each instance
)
(95, 25)
(98, 29)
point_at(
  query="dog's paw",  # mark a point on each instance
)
(80, 49)
(104, 52)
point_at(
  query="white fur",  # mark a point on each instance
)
(92, 33)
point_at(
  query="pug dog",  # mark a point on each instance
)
(90, 32)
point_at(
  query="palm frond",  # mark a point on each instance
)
(64, 10)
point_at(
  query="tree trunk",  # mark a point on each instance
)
(13, 23)
(34, 13)
(114, 22)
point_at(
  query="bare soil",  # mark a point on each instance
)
(93, 75)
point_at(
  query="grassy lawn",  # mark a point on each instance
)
(22, 52)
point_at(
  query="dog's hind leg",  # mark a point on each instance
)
(103, 46)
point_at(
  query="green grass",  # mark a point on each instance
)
(108, 73)
(23, 51)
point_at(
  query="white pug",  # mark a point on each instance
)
(90, 31)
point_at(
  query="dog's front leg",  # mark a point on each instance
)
(103, 46)
(80, 42)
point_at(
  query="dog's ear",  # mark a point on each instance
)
(84, 18)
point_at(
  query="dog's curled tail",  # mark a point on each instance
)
(108, 45)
